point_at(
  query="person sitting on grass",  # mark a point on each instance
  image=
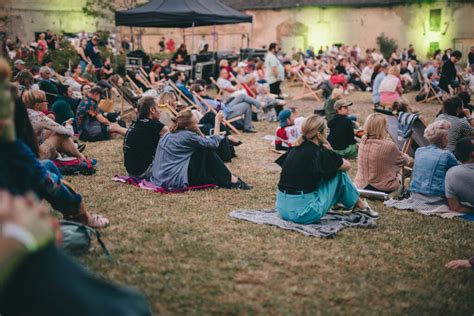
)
(391, 87)
(141, 140)
(379, 160)
(431, 165)
(185, 157)
(314, 178)
(22, 172)
(459, 182)
(455, 113)
(341, 135)
(92, 125)
(52, 137)
(329, 111)
(286, 133)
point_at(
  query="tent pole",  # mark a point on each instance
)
(192, 54)
(214, 38)
(251, 34)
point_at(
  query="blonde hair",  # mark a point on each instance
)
(375, 126)
(185, 121)
(223, 63)
(437, 131)
(394, 71)
(167, 98)
(33, 96)
(314, 128)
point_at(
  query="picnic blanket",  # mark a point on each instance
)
(329, 225)
(148, 185)
(427, 206)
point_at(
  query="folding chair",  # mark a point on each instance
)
(219, 90)
(118, 97)
(134, 86)
(242, 85)
(183, 96)
(226, 122)
(428, 89)
(310, 93)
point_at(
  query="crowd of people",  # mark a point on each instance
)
(181, 137)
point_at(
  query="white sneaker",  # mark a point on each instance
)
(366, 210)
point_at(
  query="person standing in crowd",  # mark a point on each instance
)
(203, 42)
(92, 51)
(181, 55)
(161, 44)
(470, 58)
(274, 70)
(41, 47)
(51, 39)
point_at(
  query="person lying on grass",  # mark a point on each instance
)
(314, 178)
(459, 182)
(379, 160)
(22, 172)
(141, 140)
(185, 157)
(341, 135)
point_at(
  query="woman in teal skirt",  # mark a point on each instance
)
(313, 178)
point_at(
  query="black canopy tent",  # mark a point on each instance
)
(181, 14)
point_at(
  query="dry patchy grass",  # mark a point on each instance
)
(188, 256)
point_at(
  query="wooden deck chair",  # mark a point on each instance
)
(307, 91)
(145, 77)
(118, 97)
(219, 90)
(408, 146)
(226, 122)
(428, 89)
(244, 86)
(183, 96)
(169, 109)
(134, 86)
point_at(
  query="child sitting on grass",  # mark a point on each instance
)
(341, 135)
(287, 132)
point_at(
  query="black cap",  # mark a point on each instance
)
(96, 89)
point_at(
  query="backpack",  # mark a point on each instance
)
(76, 238)
(73, 166)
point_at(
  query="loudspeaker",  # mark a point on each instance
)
(205, 70)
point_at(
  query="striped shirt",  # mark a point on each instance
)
(460, 127)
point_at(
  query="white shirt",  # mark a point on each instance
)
(272, 61)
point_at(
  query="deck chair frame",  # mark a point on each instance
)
(427, 87)
(310, 93)
(183, 96)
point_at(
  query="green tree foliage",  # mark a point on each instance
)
(386, 45)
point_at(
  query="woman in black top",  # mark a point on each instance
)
(313, 178)
(448, 72)
(141, 140)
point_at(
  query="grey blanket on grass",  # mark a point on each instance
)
(329, 225)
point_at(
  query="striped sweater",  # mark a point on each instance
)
(378, 164)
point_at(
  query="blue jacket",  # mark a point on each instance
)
(429, 171)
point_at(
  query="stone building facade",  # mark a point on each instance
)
(300, 23)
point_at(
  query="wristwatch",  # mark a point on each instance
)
(20, 234)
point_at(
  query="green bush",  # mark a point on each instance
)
(386, 45)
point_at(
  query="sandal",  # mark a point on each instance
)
(97, 221)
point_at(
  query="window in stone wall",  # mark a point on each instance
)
(435, 20)
(434, 46)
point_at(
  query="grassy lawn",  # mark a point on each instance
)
(189, 257)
